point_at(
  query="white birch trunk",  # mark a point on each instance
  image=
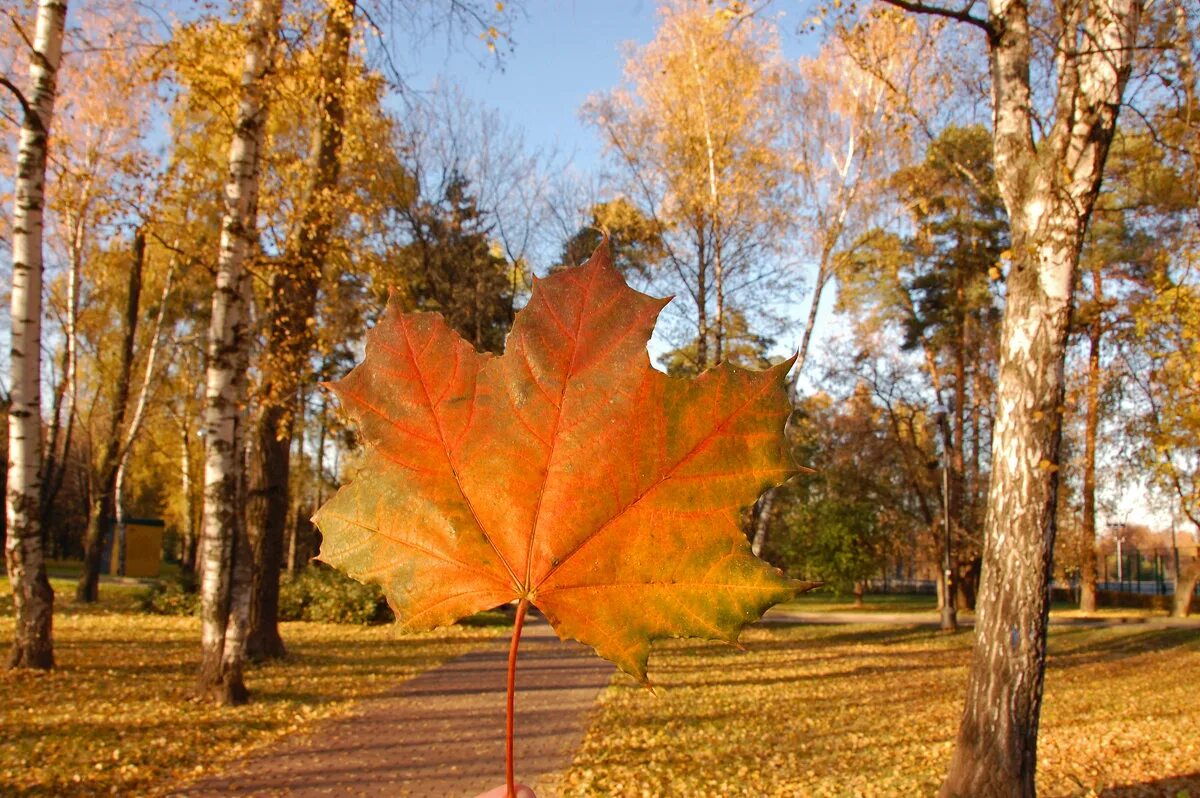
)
(33, 599)
(714, 202)
(223, 549)
(187, 557)
(1049, 188)
(143, 399)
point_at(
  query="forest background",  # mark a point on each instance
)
(851, 196)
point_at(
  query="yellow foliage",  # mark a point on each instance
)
(700, 116)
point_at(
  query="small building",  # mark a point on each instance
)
(143, 547)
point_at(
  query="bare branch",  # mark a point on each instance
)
(31, 115)
(938, 11)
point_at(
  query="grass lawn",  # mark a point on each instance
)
(825, 600)
(114, 717)
(872, 711)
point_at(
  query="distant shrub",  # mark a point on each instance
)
(170, 597)
(326, 595)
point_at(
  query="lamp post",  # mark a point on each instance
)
(949, 611)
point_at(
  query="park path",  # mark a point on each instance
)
(439, 735)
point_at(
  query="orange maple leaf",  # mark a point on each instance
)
(567, 473)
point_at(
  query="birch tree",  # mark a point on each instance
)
(100, 173)
(1049, 172)
(225, 550)
(698, 131)
(33, 599)
(842, 135)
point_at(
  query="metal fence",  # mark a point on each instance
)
(1145, 572)
(1135, 571)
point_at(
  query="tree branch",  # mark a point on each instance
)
(938, 11)
(31, 115)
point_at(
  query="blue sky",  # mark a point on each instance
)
(564, 50)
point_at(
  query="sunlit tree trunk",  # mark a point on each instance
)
(102, 506)
(701, 297)
(33, 600)
(762, 522)
(224, 549)
(139, 413)
(1049, 188)
(291, 314)
(54, 468)
(296, 488)
(187, 554)
(1087, 587)
(1185, 589)
(714, 199)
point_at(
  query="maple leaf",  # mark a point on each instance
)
(567, 473)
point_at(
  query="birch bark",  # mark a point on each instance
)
(33, 599)
(1049, 187)
(224, 549)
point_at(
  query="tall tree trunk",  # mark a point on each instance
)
(322, 420)
(957, 480)
(33, 600)
(701, 299)
(714, 199)
(187, 554)
(225, 550)
(1087, 587)
(102, 505)
(290, 315)
(1049, 188)
(1185, 589)
(52, 464)
(762, 521)
(296, 486)
(55, 467)
(139, 412)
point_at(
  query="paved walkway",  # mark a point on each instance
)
(440, 734)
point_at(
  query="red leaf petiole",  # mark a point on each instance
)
(518, 622)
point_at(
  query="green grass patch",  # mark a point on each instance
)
(117, 596)
(826, 600)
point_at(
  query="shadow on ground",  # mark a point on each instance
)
(1171, 787)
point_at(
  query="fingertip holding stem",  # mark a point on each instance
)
(502, 792)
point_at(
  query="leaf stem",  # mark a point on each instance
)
(518, 622)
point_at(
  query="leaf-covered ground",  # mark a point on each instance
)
(820, 711)
(114, 717)
(871, 711)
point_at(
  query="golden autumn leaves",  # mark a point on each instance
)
(567, 472)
